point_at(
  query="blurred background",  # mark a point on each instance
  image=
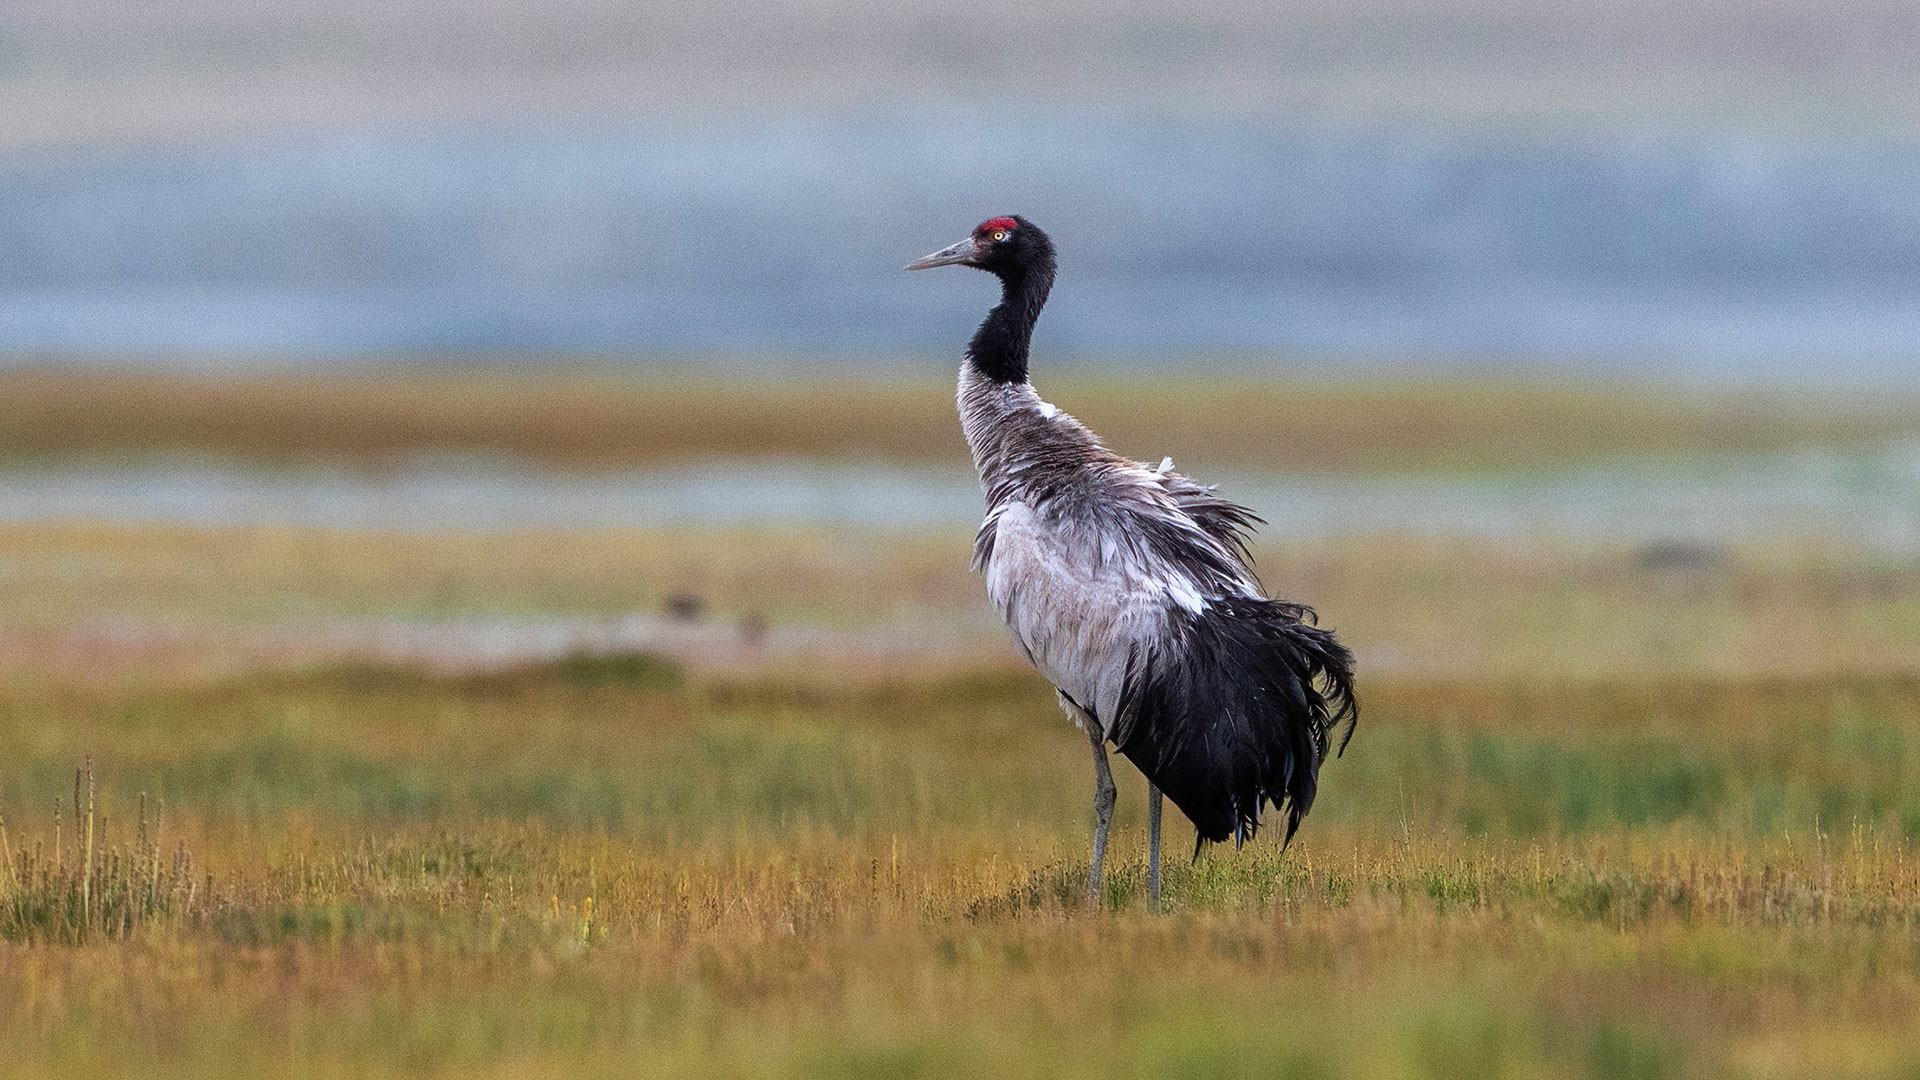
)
(1718, 189)
(1717, 194)
(1623, 277)
(1628, 274)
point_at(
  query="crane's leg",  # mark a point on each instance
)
(1153, 845)
(1103, 799)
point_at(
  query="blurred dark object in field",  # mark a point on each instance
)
(753, 629)
(685, 607)
(1683, 565)
(1681, 557)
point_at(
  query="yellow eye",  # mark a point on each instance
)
(999, 235)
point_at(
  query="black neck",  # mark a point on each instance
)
(999, 348)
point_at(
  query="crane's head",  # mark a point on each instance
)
(999, 245)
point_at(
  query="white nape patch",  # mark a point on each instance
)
(1166, 466)
(1046, 409)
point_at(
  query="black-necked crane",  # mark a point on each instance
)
(1132, 590)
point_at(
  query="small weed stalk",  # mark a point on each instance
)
(107, 893)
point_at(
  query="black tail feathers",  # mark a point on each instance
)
(1240, 712)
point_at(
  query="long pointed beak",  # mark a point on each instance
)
(956, 255)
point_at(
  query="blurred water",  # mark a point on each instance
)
(1703, 253)
(1870, 499)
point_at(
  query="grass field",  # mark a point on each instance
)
(1602, 817)
(610, 867)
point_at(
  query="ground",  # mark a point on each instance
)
(1611, 810)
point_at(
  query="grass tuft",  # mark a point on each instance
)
(107, 891)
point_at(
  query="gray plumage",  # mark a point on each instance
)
(1086, 553)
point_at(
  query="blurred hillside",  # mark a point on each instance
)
(1718, 190)
(78, 70)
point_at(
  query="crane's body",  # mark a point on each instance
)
(1130, 588)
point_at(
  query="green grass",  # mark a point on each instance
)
(609, 865)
